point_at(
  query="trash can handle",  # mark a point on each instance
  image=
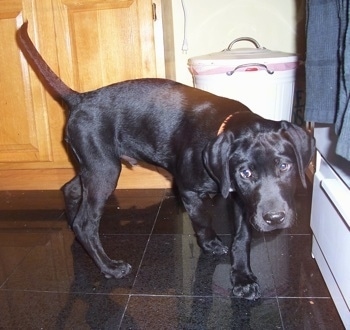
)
(256, 44)
(230, 73)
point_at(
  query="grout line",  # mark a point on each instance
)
(15, 268)
(142, 258)
(306, 297)
(149, 238)
(274, 282)
(156, 295)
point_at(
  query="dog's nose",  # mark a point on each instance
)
(274, 218)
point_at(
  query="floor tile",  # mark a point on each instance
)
(174, 264)
(31, 200)
(173, 219)
(295, 272)
(312, 313)
(60, 264)
(13, 249)
(199, 313)
(169, 265)
(42, 310)
(131, 212)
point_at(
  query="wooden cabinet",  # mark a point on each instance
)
(89, 43)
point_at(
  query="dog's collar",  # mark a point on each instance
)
(223, 125)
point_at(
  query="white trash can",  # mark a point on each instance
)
(261, 79)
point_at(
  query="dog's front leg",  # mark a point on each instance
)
(245, 284)
(199, 210)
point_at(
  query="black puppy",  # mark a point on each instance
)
(211, 145)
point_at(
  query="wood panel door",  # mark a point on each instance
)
(89, 44)
(24, 132)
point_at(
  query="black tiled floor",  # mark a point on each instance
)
(47, 281)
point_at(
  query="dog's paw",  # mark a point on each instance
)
(245, 286)
(117, 269)
(214, 246)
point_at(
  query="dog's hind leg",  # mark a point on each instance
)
(199, 211)
(97, 184)
(72, 198)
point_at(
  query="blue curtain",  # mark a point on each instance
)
(328, 68)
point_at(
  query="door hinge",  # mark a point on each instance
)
(154, 11)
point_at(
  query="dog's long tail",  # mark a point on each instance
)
(58, 89)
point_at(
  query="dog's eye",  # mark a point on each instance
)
(245, 174)
(284, 167)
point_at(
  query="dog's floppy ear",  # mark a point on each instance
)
(216, 160)
(303, 145)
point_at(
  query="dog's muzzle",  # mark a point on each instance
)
(274, 218)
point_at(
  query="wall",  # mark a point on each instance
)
(212, 25)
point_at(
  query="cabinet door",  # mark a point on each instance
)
(100, 42)
(24, 125)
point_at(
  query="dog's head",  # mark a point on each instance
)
(261, 160)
